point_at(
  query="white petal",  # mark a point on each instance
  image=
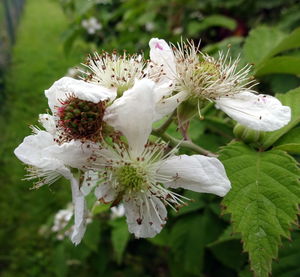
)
(258, 112)
(89, 182)
(80, 212)
(48, 123)
(162, 54)
(198, 173)
(145, 215)
(66, 86)
(34, 151)
(75, 153)
(105, 193)
(168, 105)
(133, 114)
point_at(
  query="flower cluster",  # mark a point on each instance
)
(98, 133)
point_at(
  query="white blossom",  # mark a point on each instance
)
(141, 174)
(48, 160)
(117, 211)
(198, 76)
(92, 25)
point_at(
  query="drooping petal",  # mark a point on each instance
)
(80, 212)
(66, 87)
(257, 112)
(198, 173)
(105, 193)
(162, 55)
(145, 215)
(133, 114)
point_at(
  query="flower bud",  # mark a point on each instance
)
(247, 135)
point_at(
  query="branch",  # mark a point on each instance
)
(183, 143)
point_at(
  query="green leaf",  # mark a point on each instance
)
(282, 64)
(228, 249)
(291, 99)
(265, 42)
(292, 41)
(189, 237)
(260, 43)
(119, 237)
(263, 201)
(161, 239)
(99, 208)
(196, 27)
(82, 6)
(92, 236)
(289, 257)
(290, 142)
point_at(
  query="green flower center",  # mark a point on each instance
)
(81, 119)
(130, 178)
(209, 69)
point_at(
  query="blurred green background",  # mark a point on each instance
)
(40, 41)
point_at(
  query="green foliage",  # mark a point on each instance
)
(290, 142)
(197, 241)
(263, 201)
(290, 99)
(196, 27)
(272, 42)
(119, 237)
(288, 265)
(189, 237)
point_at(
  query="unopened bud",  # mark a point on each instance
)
(247, 135)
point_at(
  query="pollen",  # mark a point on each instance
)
(130, 178)
(81, 119)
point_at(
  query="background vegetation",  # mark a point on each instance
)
(198, 240)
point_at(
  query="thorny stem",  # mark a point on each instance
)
(183, 143)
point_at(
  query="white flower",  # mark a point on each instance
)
(48, 160)
(91, 25)
(121, 72)
(150, 26)
(78, 108)
(199, 76)
(117, 211)
(61, 219)
(141, 173)
(115, 71)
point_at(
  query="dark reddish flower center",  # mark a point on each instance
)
(81, 119)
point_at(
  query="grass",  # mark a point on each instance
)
(37, 61)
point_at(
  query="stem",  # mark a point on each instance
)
(207, 108)
(183, 143)
(166, 124)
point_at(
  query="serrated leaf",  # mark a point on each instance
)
(282, 64)
(290, 142)
(291, 99)
(263, 201)
(119, 237)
